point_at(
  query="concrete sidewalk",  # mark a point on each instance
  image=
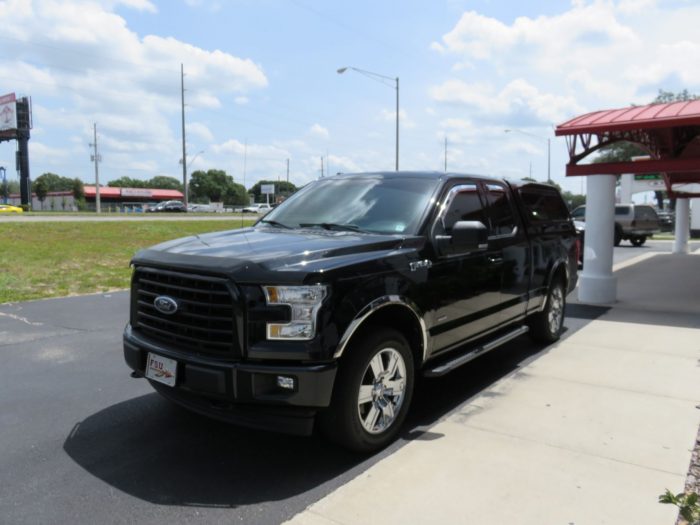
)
(591, 432)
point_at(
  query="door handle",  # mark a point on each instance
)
(495, 260)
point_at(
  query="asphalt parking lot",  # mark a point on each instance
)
(84, 442)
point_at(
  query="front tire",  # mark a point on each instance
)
(638, 241)
(546, 326)
(372, 393)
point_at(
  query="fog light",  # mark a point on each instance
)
(285, 382)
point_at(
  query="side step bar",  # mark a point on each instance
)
(444, 368)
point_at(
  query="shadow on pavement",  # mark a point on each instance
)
(157, 452)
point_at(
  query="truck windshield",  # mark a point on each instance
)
(371, 204)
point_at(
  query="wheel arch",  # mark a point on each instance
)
(391, 311)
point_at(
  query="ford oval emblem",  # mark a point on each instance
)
(165, 305)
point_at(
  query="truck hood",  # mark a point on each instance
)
(247, 254)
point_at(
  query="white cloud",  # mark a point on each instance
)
(517, 97)
(596, 54)
(81, 63)
(200, 130)
(404, 120)
(318, 131)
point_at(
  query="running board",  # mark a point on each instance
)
(444, 368)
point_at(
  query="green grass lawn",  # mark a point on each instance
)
(39, 260)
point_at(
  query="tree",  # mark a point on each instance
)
(55, 182)
(281, 188)
(12, 187)
(127, 182)
(236, 194)
(210, 186)
(41, 188)
(163, 182)
(78, 189)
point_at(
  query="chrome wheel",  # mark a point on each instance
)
(382, 390)
(555, 315)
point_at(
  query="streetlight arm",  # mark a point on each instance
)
(377, 77)
(382, 80)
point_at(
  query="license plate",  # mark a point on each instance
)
(161, 369)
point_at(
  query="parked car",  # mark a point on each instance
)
(257, 208)
(667, 220)
(168, 207)
(201, 208)
(8, 208)
(323, 315)
(633, 222)
(581, 232)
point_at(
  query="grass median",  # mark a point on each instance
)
(55, 259)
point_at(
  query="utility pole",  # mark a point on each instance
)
(96, 158)
(184, 149)
(321, 166)
(4, 184)
(287, 171)
(445, 153)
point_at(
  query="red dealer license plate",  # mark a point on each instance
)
(161, 369)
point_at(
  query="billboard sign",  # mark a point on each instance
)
(267, 189)
(8, 112)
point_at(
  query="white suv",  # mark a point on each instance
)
(633, 222)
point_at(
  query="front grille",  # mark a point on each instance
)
(205, 318)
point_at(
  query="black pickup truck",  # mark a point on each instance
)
(326, 310)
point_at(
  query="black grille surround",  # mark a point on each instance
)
(206, 318)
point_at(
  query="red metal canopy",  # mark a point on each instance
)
(670, 133)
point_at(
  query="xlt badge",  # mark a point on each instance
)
(165, 305)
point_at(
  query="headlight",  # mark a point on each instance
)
(304, 302)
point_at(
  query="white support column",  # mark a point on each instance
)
(680, 245)
(626, 183)
(597, 285)
(695, 218)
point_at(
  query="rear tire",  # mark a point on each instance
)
(546, 326)
(372, 393)
(638, 241)
(617, 237)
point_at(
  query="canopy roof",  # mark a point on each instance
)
(670, 133)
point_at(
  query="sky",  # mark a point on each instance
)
(261, 82)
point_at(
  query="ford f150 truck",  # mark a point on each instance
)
(324, 312)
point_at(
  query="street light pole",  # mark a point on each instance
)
(381, 78)
(549, 150)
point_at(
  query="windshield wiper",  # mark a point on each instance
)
(332, 226)
(275, 223)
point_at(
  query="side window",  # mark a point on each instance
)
(500, 211)
(465, 205)
(543, 204)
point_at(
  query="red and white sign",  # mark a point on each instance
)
(137, 192)
(8, 112)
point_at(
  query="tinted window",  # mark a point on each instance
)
(645, 212)
(543, 204)
(500, 211)
(579, 213)
(371, 203)
(466, 205)
(622, 210)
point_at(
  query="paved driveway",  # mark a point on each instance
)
(82, 442)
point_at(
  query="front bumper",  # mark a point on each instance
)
(237, 392)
